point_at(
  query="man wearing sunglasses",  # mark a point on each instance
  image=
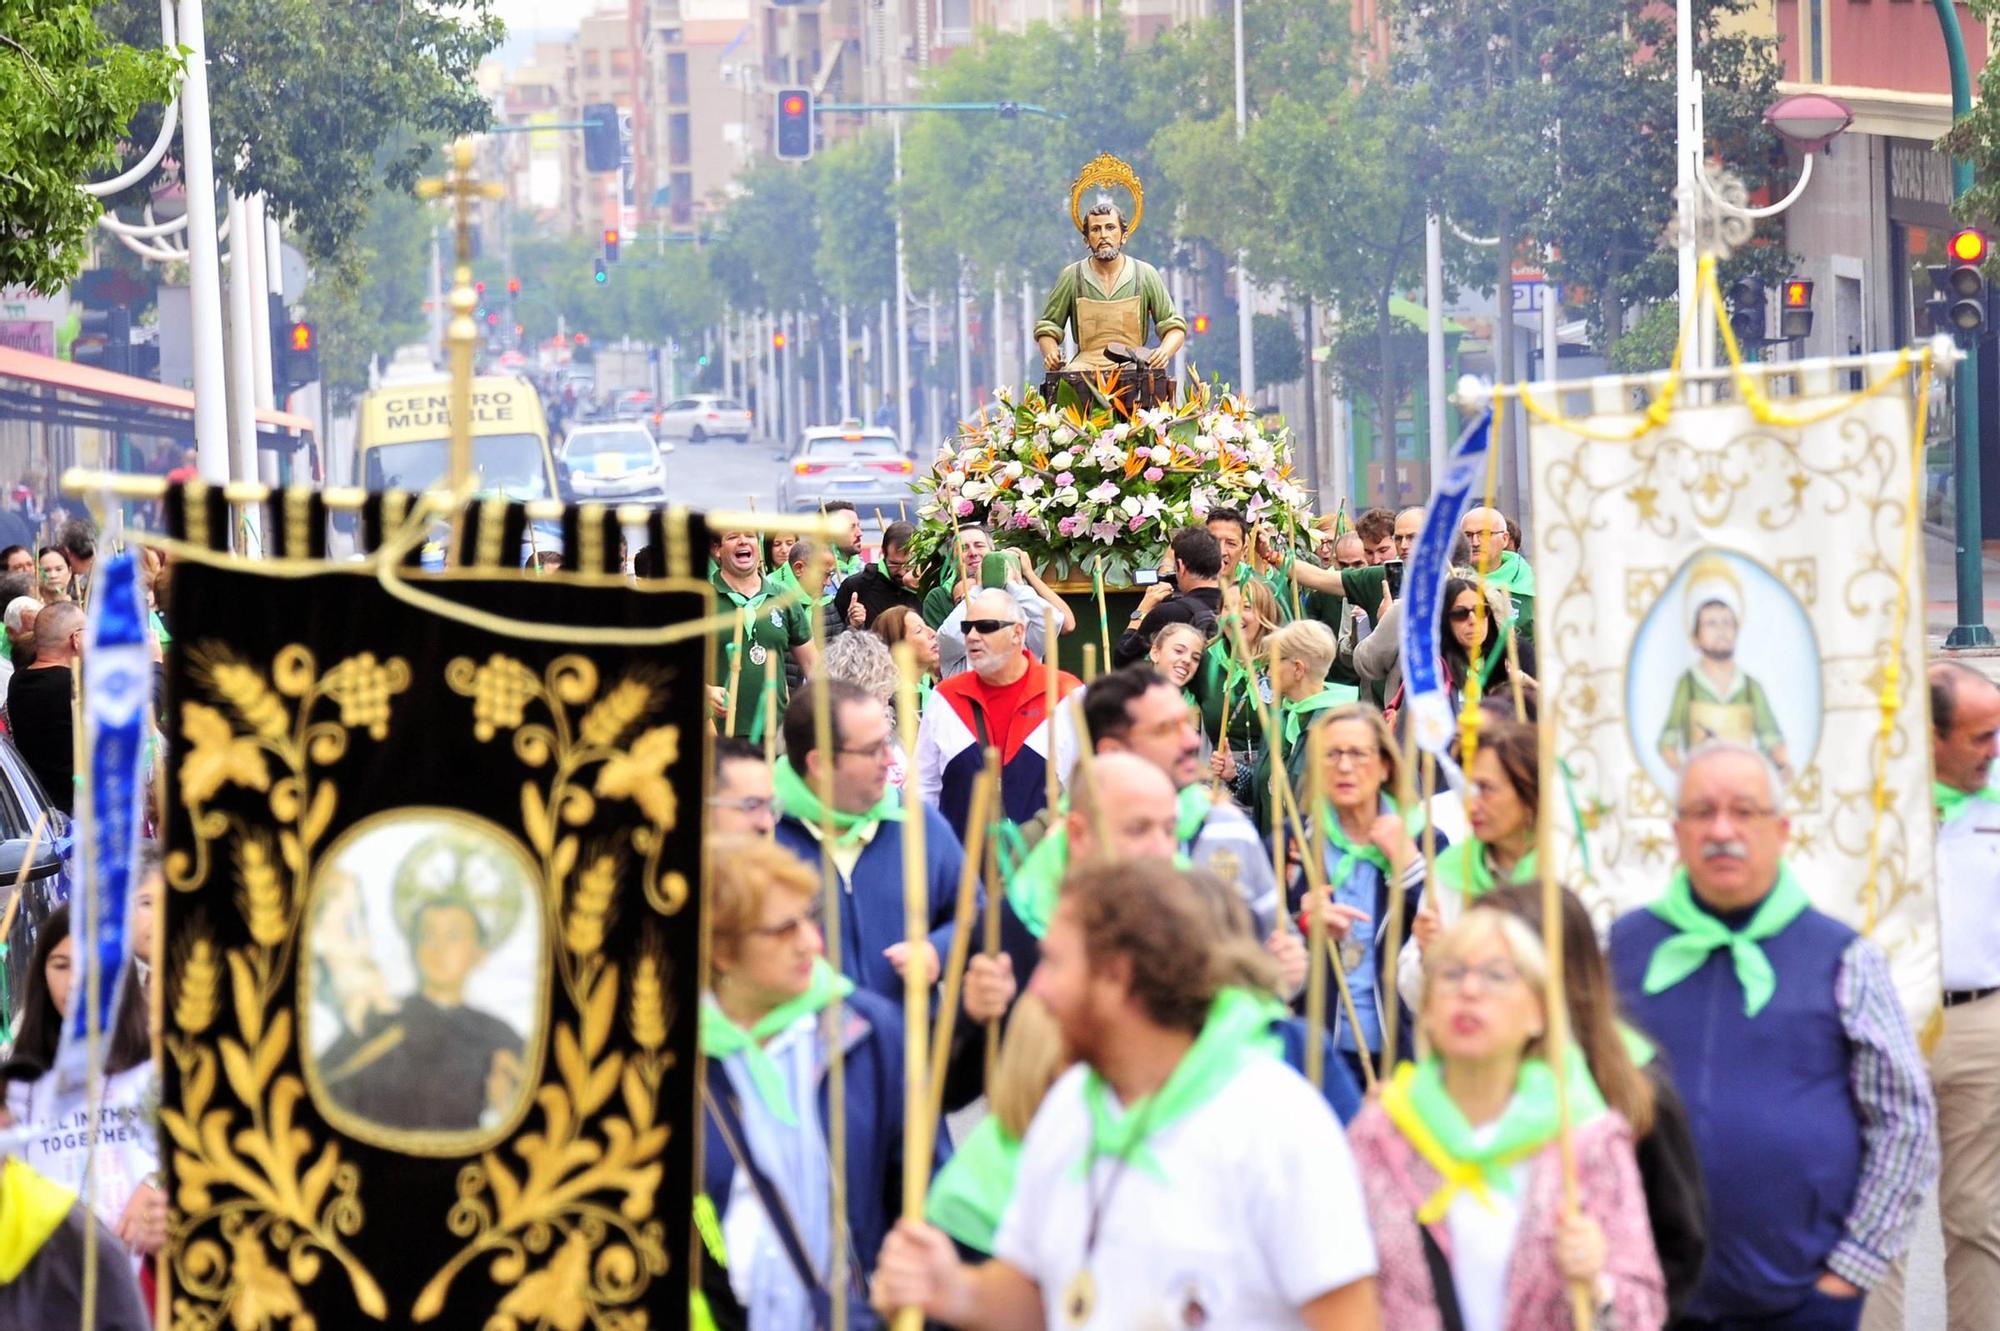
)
(1002, 702)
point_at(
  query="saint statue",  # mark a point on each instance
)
(1108, 300)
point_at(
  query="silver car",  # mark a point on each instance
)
(615, 461)
(866, 467)
(703, 417)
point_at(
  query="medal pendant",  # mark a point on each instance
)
(757, 653)
(1079, 1298)
(1352, 955)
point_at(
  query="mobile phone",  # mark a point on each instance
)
(1145, 577)
(993, 570)
(1394, 572)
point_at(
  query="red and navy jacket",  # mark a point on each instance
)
(956, 730)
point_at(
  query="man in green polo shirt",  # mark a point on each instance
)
(771, 627)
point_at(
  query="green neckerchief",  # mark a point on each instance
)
(1951, 801)
(1191, 808)
(749, 604)
(970, 1194)
(847, 565)
(786, 579)
(1238, 1029)
(1463, 865)
(1349, 850)
(797, 799)
(1513, 573)
(1330, 695)
(1701, 933)
(721, 1037)
(1430, 1120)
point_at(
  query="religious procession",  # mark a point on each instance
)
(682, 838)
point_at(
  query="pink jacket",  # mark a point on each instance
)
(1396, 1181)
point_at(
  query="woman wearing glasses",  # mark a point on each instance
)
(766, 1163)
(1464, 628)
(1460, 1167)
(1370, 843)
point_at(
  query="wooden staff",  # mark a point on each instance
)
(983, 790)
(736, 670)
(1103, 618)
(1319, 948)
(918, 1135)
(1086, 771)
(1090, 663)
(1222, 737)
(1405, 794)
(1052, 792)
(990, 943)
(1555, 998)
(1514, 677)
(768, 705)
(830, 1022)
(1272, 745)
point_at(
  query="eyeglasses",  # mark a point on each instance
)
(1708, 813)
(784, 931)
(986, 628)
(878, 750)
(1458, 614)
(749, 806)
(1493, 976)
(1350, 757)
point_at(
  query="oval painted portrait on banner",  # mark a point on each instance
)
(423, 1000)
(1726, 654)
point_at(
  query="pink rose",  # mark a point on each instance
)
(1136, 523)
(965, 508)
(1155, 475)
(1070, 525)
(1065, 478)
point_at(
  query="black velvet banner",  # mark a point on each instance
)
(434, 943)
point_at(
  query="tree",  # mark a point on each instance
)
(768, 239)
(375, 305)
(854, 193)
(1976, 137)
(67, 96)
(322, 106)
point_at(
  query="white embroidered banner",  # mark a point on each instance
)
(1725, 578)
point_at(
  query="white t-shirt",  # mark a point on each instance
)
(1482, 1243)
(1259, 1213)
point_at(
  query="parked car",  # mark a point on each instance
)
(703, 417)
(617, 461)
(45, 882)
(864, 465)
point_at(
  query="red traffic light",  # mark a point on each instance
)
(1798, 293)
(1201, 323)
(302, 337)
(1968, 246)
(513, 286)
(480, 287)
(581, 340)
(611, 236)
(778, 341)
(793, 105)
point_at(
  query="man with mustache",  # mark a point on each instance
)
(1812, 1112)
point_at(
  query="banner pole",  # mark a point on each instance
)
(830, 1023)
(918, 1135)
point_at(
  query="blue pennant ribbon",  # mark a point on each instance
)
(117, 688)
(1425, 695)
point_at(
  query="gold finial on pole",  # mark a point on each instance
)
(461, 334)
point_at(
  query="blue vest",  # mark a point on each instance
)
(1774, 1120)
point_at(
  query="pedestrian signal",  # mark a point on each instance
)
(1746, 309)
(1795, 317)
(597, 273)
(611, 244)
(301, 357)
(1200, 324)
(602, 150)
(794, 125)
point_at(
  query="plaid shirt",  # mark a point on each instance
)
(1892, 1090)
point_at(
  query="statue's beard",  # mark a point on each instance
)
(1105, 252)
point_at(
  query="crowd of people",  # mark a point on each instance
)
(1137, 1124)
(1737, 1133)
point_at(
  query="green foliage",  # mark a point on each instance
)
(857, 242)
(769, 238)
(322, 106)
(1649, 343)
(67, 95)
(376, 304)
(1976, 137)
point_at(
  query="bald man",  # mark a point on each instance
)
(1488, 537)
(38, 702)
(1001, 702)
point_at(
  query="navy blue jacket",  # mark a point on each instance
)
(871, 906)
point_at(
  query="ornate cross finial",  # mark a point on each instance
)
(461, 333)
(1716, 232)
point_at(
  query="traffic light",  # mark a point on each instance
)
(795, 124)
(601, 148)
(1746, 310)
(513, 286)
(1795, 316)
(777, 341)
(702, 360)
(611, 244)
(597, 274)
(1965, 283)
(104, 339)
(301, 356)
(1200, 324)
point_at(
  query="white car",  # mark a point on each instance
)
(703, 417)
(619, 460)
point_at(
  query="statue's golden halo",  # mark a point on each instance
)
(1104, 169)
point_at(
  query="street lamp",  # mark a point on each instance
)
(1806, 120)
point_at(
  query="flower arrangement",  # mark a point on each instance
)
(1086, 488)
